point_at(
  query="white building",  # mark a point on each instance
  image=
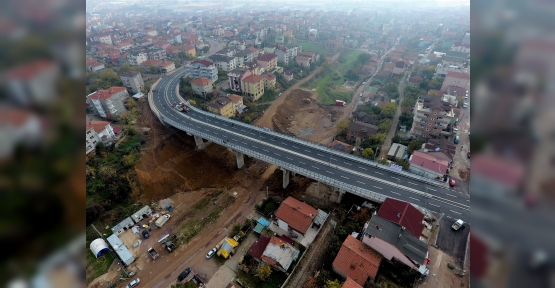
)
(135, 58)
(98, 132)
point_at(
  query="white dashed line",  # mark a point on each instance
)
(302, 163)
(288, 158)
(329, 172)
(378, 173)
(378, 187)
(450, 195)
(433, 204)
(344, 177)
(395, 178)
(361, 182)
(449, 217)
(411, 183)
(244, 143)
(468, 200)
(348, 163)
(414, 198)
(317, 154)
(395, 193)
(265, 150)
(254, 147)
(315, 167)
(432, 189)
(455, 212)
(306, 150)
(277, 154)
(362, 168)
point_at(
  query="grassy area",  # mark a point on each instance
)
(315, 47)
(97, 266)
(267, 97)
(327, 83)
(192, 228)
(129, 143)
(206, 200)
(276, 279)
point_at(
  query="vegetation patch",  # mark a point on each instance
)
(97, 266)
(319, 48)
(268, 206)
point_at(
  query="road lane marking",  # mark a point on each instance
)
(306, 150)
(378, 173)
(468, 200)
(411, 183)
(295, 147)
(288, 158)
(315, 167)
(244, 143)
(450, 195)
(254, 146)
(395, 178)
(361, 182)
(449, 217)
(378, 187)
(265, 150)
(455, 212)
(348, 163)
(432, 189)
(277, 154)
(414, 198)
(344, 177)
(302, 163)
(318, 154)
(329, 172)
(433, 204)
(362, 168)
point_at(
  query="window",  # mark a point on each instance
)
(439, 118)
(429, 124)
(432, 119)
(92, 137)
(426, 114)
(427, 129)
(435, 113)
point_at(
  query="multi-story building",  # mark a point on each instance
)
(108, 103)
(166, 66)
(226, 63)
(136, 58)
(269, 81)
(244, 56)
(237, 103)
(458, 79)
(133, 81)
(253, 86)
(204, 69)
(357, 129)
(104, 38)
(222, 106)
(98, 132)
(332, 45)
(151, 32)
(202, 86)
(253, 67)
(303, 61)
(235, 78)
(157, 54)
(124, 46)
(431, 117)
(268, 61)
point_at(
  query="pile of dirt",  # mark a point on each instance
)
(303, 116)
(297, 185)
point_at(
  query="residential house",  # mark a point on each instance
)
(357, 129)
(395, 243)
(382, 76)
(283, 56)
(399, 68)
(257, 52)
(229, 52)
(279, 254)
(440, 148)
(431, 117)
(151, 32)
(202, 86)
(442, 70)
(288, 75)
(257, 249)
(404, 214)
(123, 226)
(166, 66)
(157, 54)
(314, 56)
(226, 63)
(133, 81)
(388, 66)
(350, 283)
(357, 261)
(458, 57)
(222, 106)
(253, 86)
(237, 44)
(124, 46)
(340, 146)
(235, 79)
(463, 48)
(93, 65)
(20, 127)
(136, 57)
(303, 60)
(457, 91)
(162, 44)
(457, 79)
(295, 216)
(253, 67)
(108, 103)
(104, 38)
(427, 165)
(152, 65)
(363, 117)
(415, 81)
(397, 151)
(269, 81)
(203, 69)
(332, 45)
(237, 103)
(244, 56)
(34, 82)
(143, 213)
(121, 250)
(269, 50)
(268, 61)
(98, 132)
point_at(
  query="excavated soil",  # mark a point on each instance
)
(301, 115)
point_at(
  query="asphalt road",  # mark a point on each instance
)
(332, 164)
(450, 241)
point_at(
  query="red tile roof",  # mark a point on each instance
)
(270, 76)
(429, 162)
(253, 79)
(106, 94)
(497, 169)
(259, 246)
(97, 126)
(438, 92)
(27, 71)
(151, 62)
(296, 214)
(201, 81)
(458, 75)
(166, 63)
(235, 98)
(203, 62)
(404, 214)
(350, 283)
(357, 261)
(267, 57)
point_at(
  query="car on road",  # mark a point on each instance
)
(465, 105)
(145, 234)
(363, 82)
(459, 224)
(133, 283)
(183, 274)
(452, 182)
(455, 130)
(211, 253)
(457, 139)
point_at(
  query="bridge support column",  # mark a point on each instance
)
(200, 143)
(340, 196)
(285, 177)
(293, 173)
(240, 159)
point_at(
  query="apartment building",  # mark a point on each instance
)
(202, 87)
(108, 103)
(458, 79)
(268, 61)
(157, 54)
(98, 132)
(431, 117)
(222, 106)
(235, 79)
(226, 63)
(204, 69)
(253, 86)
(133, 81)
(136, 58)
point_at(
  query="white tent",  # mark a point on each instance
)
(99, 247)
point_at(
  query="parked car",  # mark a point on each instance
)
(459, 224)
(452, 182)
(457, 139)
(145, 234)
(133, 283)
(183, 274)
(455, 130)
(211, 253)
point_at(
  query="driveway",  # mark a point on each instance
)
(450, 241)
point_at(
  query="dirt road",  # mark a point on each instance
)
(385, 146)
(266, 119)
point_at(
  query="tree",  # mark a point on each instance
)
(414, 145)
(342, 127)
(153, 69)
(434, 84)
(333, 284)
(236, 229)
(125, 68)
(403, 163)
(108, 78)
(385, 126)
(377, 139)
(408, 102)
(368, 153)
(205, 49)
(389, 109)
(131, 159)
(264, 272)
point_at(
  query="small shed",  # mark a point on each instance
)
(127, 223)
(227, 247)
(120, 249)
(99, 247)
(144, 212)
(136, 229)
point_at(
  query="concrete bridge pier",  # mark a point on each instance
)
(240, 159)
(340, 196)
(200, 143)
(285, 177)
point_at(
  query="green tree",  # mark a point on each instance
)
(333, 284)
(389, 109)
(403, 163)
(205, 49)
(236, 229)
(434, 84)
(377, 139)
(385, 126)
(108, 78)
(368, 153)
(342, 126)
(131, 159)
(126, 68)
(264, 272)
(414, 145)
(408, 102)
